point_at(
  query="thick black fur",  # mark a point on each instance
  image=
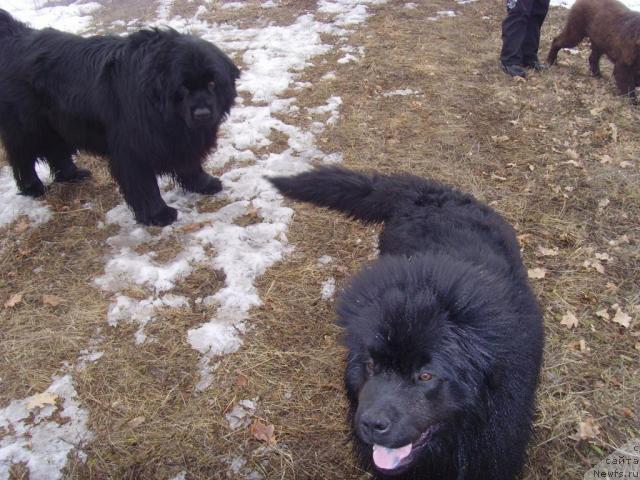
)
(444, 334)
(151, 102)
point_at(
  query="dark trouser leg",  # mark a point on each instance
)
(139, 187)
(514, 31)
(531, 41)
(199, 181)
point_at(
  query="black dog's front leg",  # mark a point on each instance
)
(139, 187)
(199, 181)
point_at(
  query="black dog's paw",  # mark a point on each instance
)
(78, 175)
(203, 183)
(166, 216)
(35, 189)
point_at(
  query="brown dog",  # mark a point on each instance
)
(614, 31)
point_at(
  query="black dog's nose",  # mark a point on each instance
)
(201, 114)
(375, 424)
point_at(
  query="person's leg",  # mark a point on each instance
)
(514, 31)
(531, 41)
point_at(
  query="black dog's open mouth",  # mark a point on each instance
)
(396, 460)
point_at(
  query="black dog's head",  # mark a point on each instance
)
(416, 371)
(189, 77)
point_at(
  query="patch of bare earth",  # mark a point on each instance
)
(557, 155)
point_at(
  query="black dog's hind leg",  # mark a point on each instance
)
(23, 163)
(594, 61)
(139, 187)
(199, 181)
(62, 166)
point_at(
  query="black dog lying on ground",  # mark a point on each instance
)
(444, 334)
(152, 102)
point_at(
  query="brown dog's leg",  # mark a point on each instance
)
(594, 61)
(625, 80)
(569, 38)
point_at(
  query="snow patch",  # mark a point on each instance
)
(74, 18)
(14, 205)
(34, 436)
(328, 289)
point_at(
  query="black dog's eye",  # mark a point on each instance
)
(425, 377)
(211, 86)
(370, 365)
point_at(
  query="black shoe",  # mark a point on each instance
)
(514, 71)
(537, 66)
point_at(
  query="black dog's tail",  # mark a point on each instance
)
(9, 26)
(370, 198)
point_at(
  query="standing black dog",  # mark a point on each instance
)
(152, 102)
(444, 334)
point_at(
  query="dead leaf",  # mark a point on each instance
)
(52, 300)
(626, 164)
(193, 227)
(621, 318)
(14, 299)
(262, 432)
(588, 430)
(604, 203)
(524, 238)
(627, 412)
(572, 154)
(605, 159)
(241, 380)
(604, 257)
(21, 226)
(42, 399)
(593, 264)
(548, 252)
(603, 314)
(537, 273)
(136, 422)
(499, 138)
(569, 320)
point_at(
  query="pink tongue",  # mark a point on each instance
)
(389, 458)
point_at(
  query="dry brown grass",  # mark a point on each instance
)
(148, 420)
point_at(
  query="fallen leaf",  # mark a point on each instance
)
(605, 159)
(548, 252)
(500, 138)
(604, 203)
(537, 273)
(136, 422)
(626, 164)
(603, 314)
(572, 154)
(241, 380)
(593, 264)
(14, 299)
(588, 430)
(262, 432)
(192, 227)
(627, 412)
(523, 238)
(603, 256)
(621, 318)
(569, 320)
(21, 226)
(52, 300)
(42, 399)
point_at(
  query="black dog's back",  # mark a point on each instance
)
(9, 25)
(420, 215)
